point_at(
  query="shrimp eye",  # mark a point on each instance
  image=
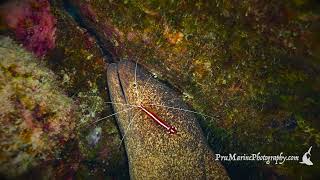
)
(134, 85)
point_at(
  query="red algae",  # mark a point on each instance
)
(33, 24)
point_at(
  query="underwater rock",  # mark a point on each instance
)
(81, 65)
(109, 36)
(32, 23)
(37, 118)
(153, 152)
(248, 63)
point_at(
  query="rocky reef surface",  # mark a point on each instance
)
(253, 65)
(79, 67)
(37, 119)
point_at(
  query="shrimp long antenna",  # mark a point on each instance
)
(170, 107)
(144, 86)
(125, 110)
(135, 79)
(127, 129)
(176, 108)
(98, 120)
(132, 105)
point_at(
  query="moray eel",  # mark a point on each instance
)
(152, 152)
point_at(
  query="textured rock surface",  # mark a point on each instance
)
(79, 65)
(152, 152)
(36, 117)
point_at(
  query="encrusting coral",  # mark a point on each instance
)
(36, 117)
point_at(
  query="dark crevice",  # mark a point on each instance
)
(120, 171)
(75, 14)
(121, 86)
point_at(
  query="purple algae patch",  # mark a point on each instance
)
(33, 25)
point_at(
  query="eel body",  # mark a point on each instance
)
(152, 152)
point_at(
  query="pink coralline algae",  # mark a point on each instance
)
(33, 24)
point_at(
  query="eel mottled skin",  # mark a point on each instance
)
(152, 152)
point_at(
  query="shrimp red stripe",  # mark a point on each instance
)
(169, 128)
